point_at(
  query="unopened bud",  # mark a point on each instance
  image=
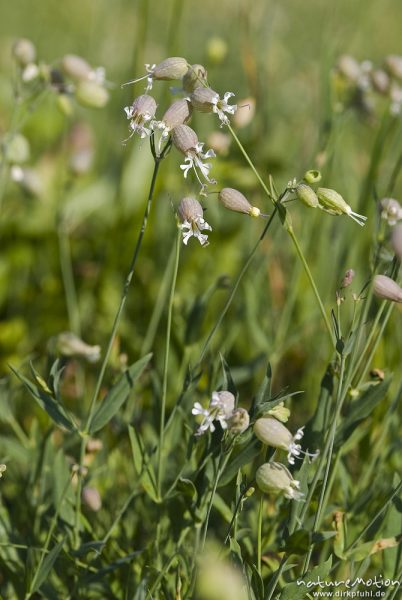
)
(170, 69)
(24, 52)
(184, 138)
(312, 176)
(386, 288)
(393, 64)
(195, 77)
(239, 421)
(349, 68)
(91, 498)
(380, 81)
(76, 67)
(234, 200)
(91, 94)
(276, 479)
(307, 195)
(280, 412)
(203, 99)
(189, 210)
(396, 240)
(177, 114)
(348, 278)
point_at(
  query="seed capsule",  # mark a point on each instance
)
(177, 114)
(307, 195)
(386, 288)
(170, 68)
(239, 421)
(234, 200)
(195, 77)
(184, 138)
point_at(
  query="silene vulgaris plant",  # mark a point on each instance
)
(229, 490)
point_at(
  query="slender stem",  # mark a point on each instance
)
(375, 345)
(68, 280)
(221, 467)
(251, 164)
(259, 533)
(166, 362)
(368, 341)
(329, 450)
(312, 282)
(110, 345)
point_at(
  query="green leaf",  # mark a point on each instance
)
(47, 566)
(244, 457)
(301, 587)
(361, 408)
(54, 409)
(142, 464)
(118, 394)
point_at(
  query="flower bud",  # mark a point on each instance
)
(239, 421)
(76, 67)
(204, 99)
(273, 433)
(380, 81)
(312, 176)
(307, 195)
(91, 498)
(234, 200)
(196, 76)
(349, 68)
(189, 210)
(396, 240)
(386, 288)
(280, 412)
(217, 49)
(348, 278)
(91, 94)
(177, 114)
(24, 52)
(170, 68)
(276, 479)
(184, 138)
(393, 63)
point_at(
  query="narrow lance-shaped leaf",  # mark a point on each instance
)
(117, 395)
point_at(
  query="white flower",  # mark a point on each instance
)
(221, 106)
(273, 433)
(391, 210)
(194, 160)
(191, 215)
(220, 409)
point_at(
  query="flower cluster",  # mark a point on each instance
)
(222, 409)
(71, 77)
(326, 199)
(173, 128)
(361, 85)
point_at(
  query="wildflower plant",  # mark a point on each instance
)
(144, 461)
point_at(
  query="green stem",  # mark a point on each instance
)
(328, 455)
(68, 280)
(312, 282)
(113, 334)
(375, 345)
(370, 337)
(166, 362)
(259, 534)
